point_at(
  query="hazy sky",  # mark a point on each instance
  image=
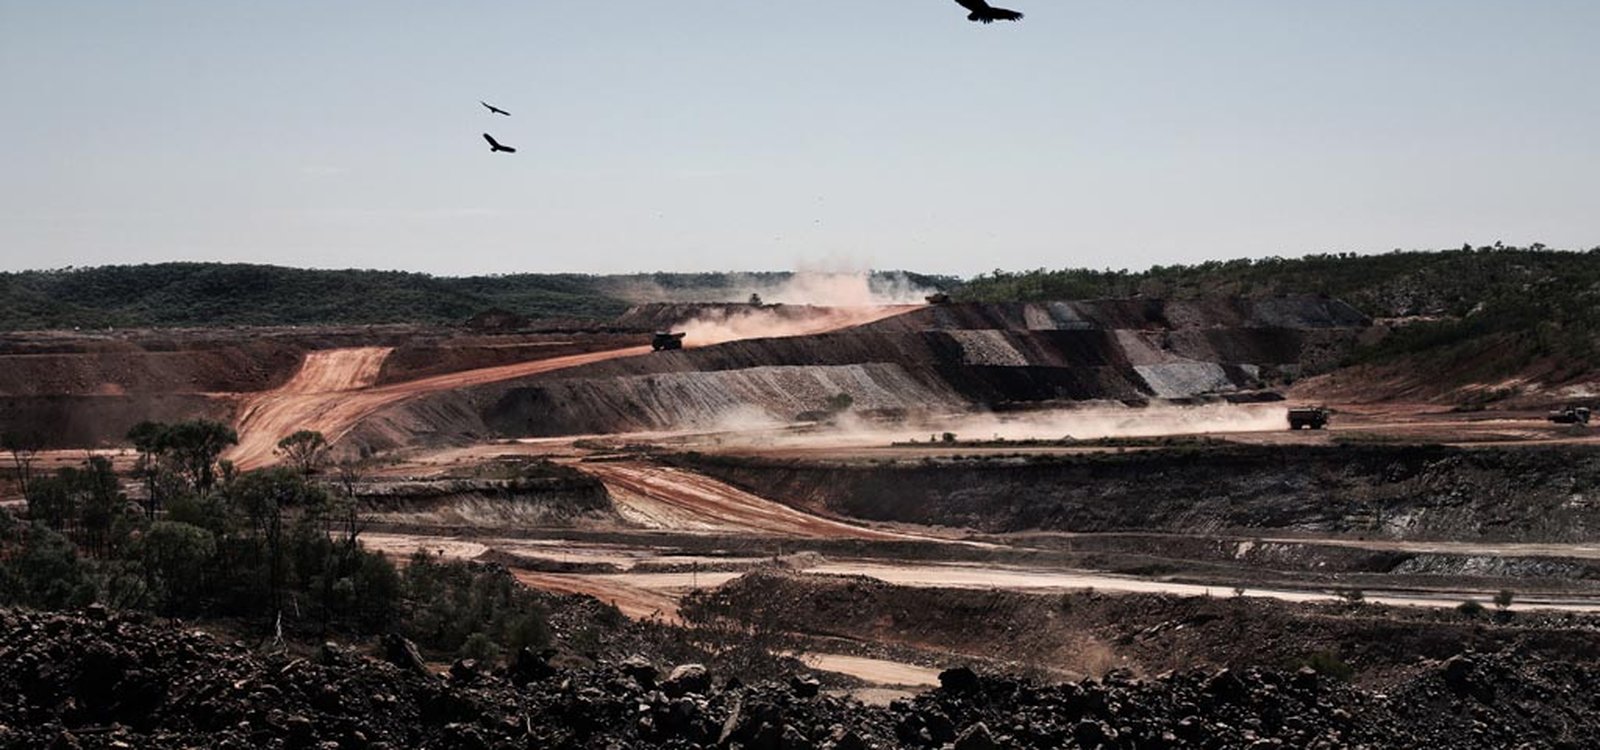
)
(740, 134)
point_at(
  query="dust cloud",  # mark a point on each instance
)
(1078, 424)
(807, 286)
(747, 418)
(1090, 424)
(841, 289)
(805, 303)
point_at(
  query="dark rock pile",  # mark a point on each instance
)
(100, 680)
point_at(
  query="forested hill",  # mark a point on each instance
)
(225, 294)
(209, 294)
(1516, 305)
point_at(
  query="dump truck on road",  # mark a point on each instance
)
(1313, 417)
(666, 340)
(1571, 415)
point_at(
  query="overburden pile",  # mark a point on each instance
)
(105, 680)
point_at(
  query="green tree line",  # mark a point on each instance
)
(211, 294)
(270, 546)
(1519, 304)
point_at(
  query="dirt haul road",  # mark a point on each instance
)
(646, 594)
(956, 575)
(659, 497)
(333, 391)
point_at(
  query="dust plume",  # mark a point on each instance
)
(1151, 421)
(808, 286)
(804, 303)
(841, 289)
(1076, 424)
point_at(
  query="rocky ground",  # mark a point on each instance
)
(1426, 492)
(104, 680)
(1353, 510)
(1085, 632)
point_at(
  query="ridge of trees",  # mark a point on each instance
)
(1521, 304)
(225, 294)
(212, 294)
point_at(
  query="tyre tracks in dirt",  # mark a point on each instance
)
(333, 392)
(662, 497)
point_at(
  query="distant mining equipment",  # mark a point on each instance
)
(1311, 417)
(1577, 415)
(666, 340)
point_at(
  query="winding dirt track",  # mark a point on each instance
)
(333, 392)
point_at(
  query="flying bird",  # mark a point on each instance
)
(494, 109)
(982, 11)
(495, 145)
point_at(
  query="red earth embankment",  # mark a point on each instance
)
(939, 359)
(86, 389)
(130, 370)
(663, 497)
(272, 416)
(421, 359)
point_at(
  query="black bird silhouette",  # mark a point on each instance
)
(982, 11)
(495, 145)
(494, 109)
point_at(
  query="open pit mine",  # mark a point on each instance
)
(936, 509)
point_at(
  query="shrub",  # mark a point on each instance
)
(1328, 663)
(479, 646)
(175, 557)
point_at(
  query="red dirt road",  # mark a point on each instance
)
(333, 389)
(661, 497)
(328, 396)
(632, 601)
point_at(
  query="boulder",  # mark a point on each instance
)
(687, 678)
(641, 670)
(805, 687)
(976, 737)
(401, 652)
(959, 680)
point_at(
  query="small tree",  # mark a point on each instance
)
(23, 448)
(304, 450)
(350, 474)
(101, 503)
(1503, 599)
(839, 402)
(1470, 608)
(175, 557)
(149, 439)
(262, 497)
(195, 447)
